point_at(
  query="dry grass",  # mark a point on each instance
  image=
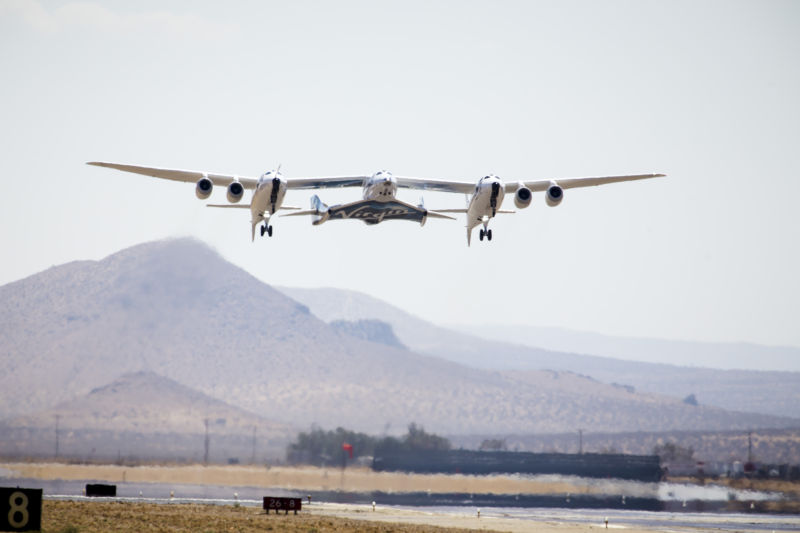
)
(91, 517)
(299, 478)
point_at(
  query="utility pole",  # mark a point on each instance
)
(58, 417)
(749, 466)
(253, 458)
(205, 456)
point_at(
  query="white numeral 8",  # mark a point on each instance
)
(20, 508)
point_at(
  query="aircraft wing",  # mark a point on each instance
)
(189, 176)
(327, 182)
(572, 183)
(463, 187)
(468, 187)
(247, 206)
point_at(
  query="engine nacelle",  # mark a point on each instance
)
(554, 195)
(203, 188)
(235, 192)
(522, 198)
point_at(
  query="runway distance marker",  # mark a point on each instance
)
(282, 504)
(101, 490)
(20, 509)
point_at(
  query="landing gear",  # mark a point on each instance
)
(493, 203)
(485, 233)
(481, 234)
(489, 234)
(266, 229)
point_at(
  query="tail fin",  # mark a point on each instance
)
(318, 211)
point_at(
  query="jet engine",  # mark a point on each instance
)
(235, 192)
(203, 188)
(554, 195)
(522, 198)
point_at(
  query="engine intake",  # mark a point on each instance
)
(235, 192)
(203, 188)
(554, 195)
(522, 198)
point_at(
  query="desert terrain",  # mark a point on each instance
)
(91, 517)
(296, 478)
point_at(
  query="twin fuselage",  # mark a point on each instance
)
(381, 187)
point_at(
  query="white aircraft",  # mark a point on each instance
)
(378, 202)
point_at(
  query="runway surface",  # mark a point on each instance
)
(498, 518)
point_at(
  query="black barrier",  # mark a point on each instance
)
(20, 509)
(100, 490)
(282, 504)
(470, 462)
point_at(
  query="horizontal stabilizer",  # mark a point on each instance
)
(434, 214)
(301, 213)
(230, 206)
(451, 210)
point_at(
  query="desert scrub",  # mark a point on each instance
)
(134, 517)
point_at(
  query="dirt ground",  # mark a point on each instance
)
(91, 517)
(100, 517)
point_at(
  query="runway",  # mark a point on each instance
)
(496, 518)
(506, 503)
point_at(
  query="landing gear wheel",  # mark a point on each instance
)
(481, 234)
(489, 234)
(263, 229)
(269, 231)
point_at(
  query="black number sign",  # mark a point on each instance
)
(20, 509)
(282, 504)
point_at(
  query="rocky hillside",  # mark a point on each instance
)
(369, 330)
(177, 309)
(775, 393)
(143, 414)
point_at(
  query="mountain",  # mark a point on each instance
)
(775, 393)
(145, 414)
(723, 356)
(369, 330)
(177, 309)
(419, 335)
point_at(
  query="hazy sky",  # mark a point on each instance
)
(707, 92)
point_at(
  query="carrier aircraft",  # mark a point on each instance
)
(378, 200)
